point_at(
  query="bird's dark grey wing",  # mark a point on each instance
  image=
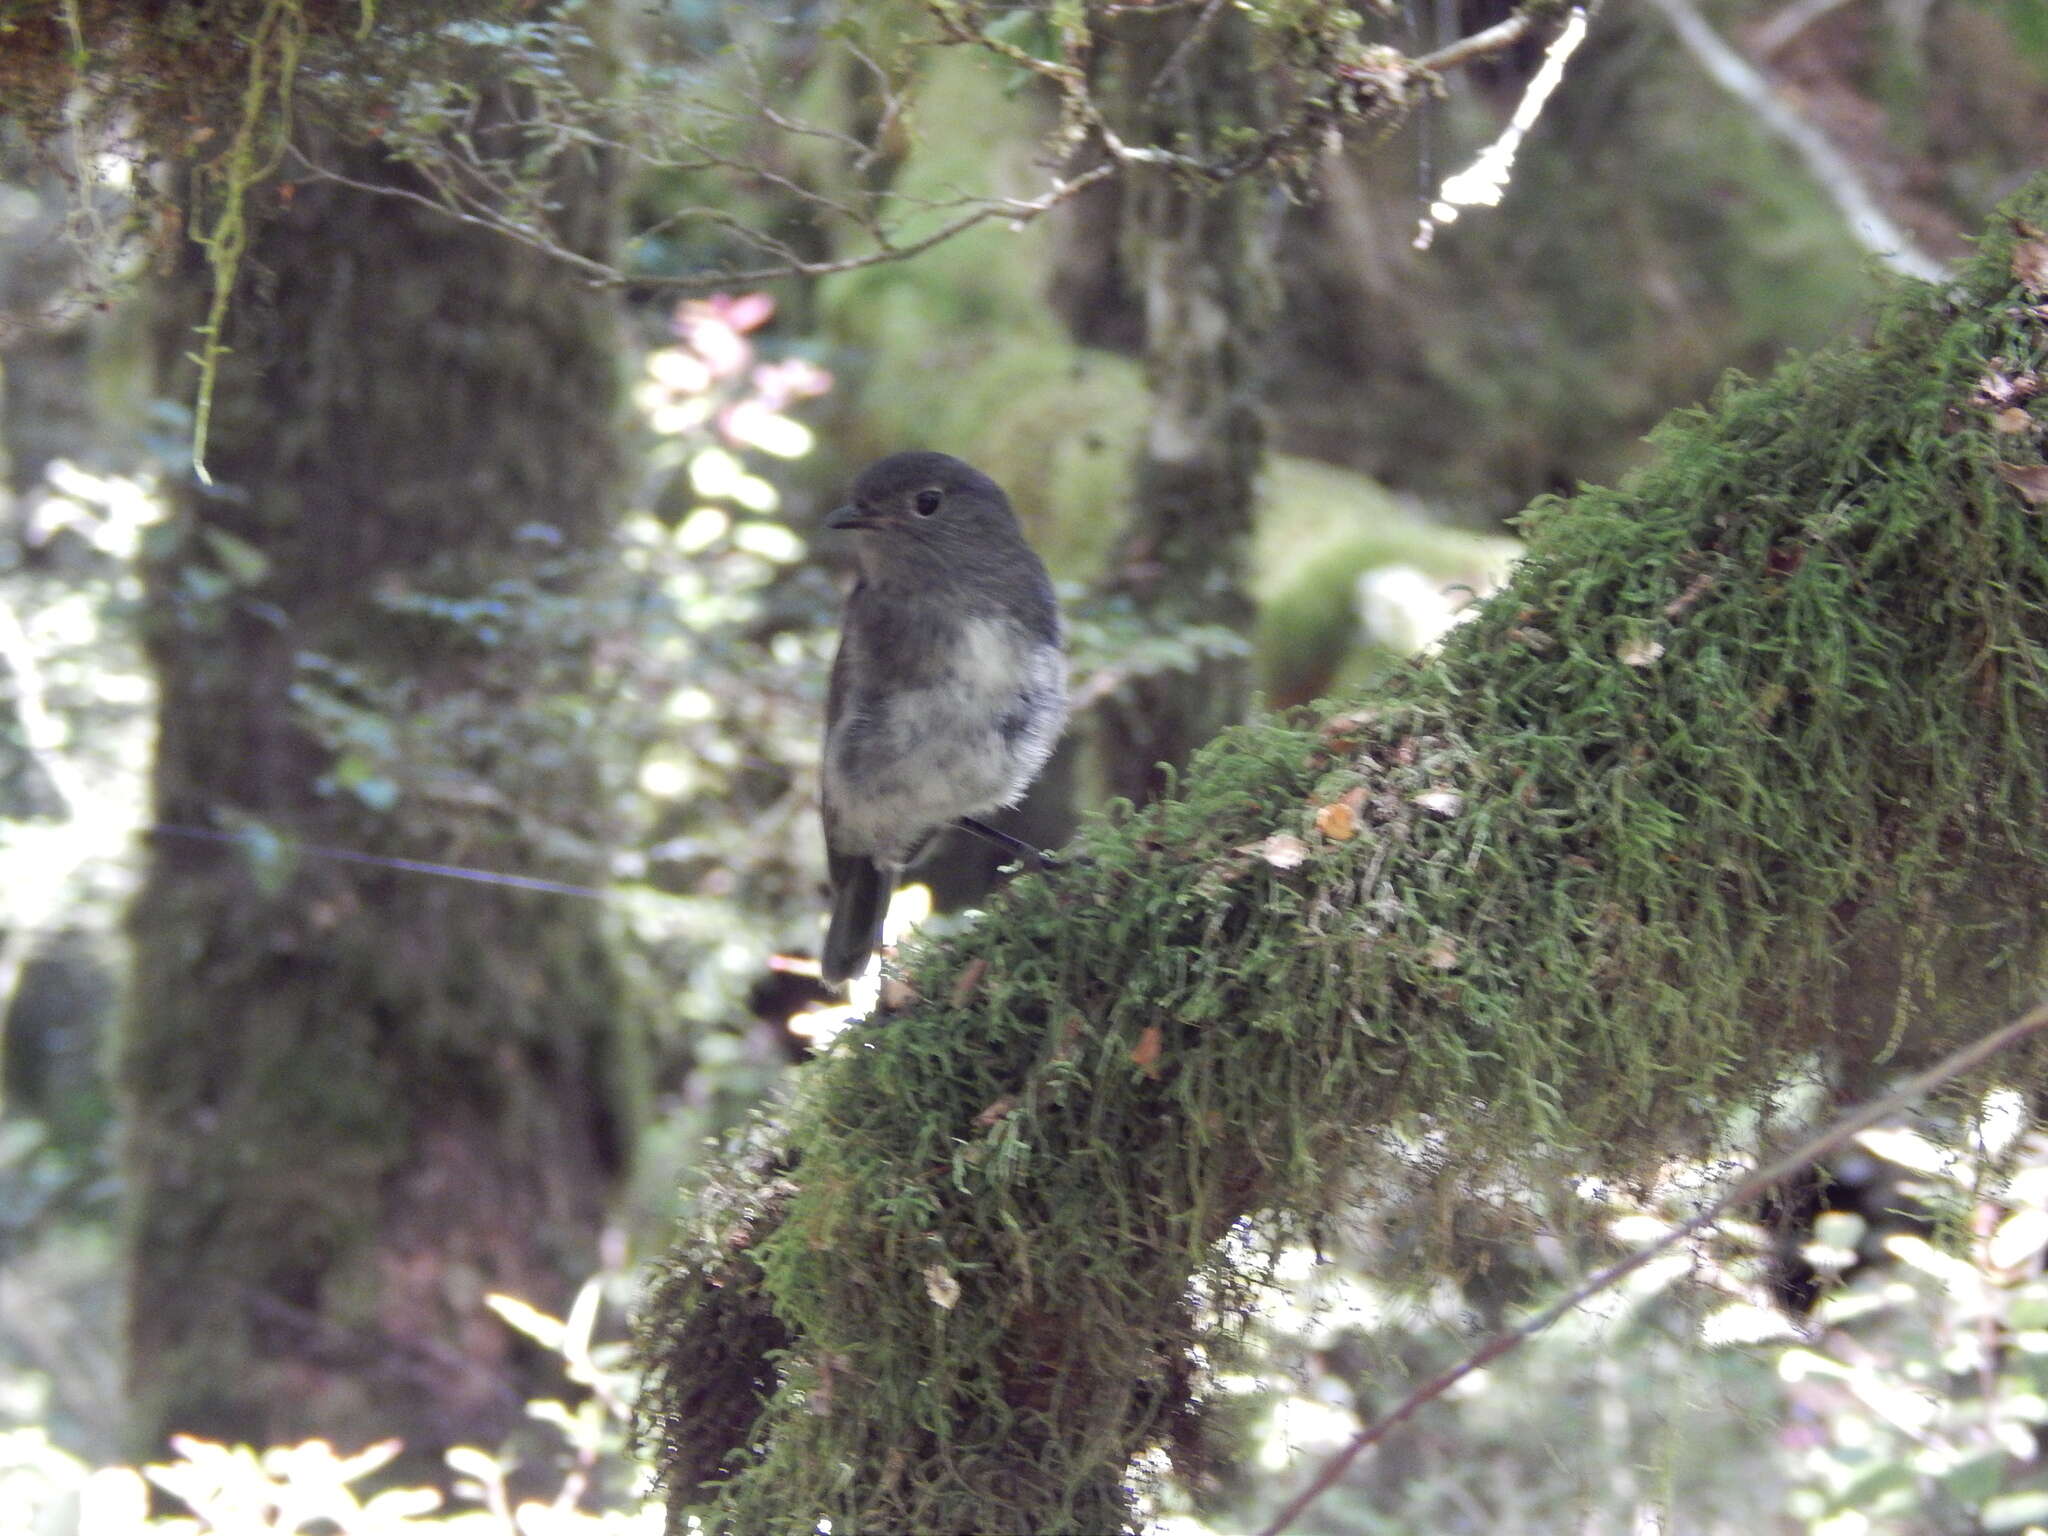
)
(1042, 617)
(841, 678)
(860, 890)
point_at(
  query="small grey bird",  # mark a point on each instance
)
(950, 687)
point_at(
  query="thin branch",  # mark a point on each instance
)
(1184, 49)
(597, 271)
(476, 196)
(1838, 178)
(954, 29)
(1757, 1184)
(1498, 38)
(1774, 34)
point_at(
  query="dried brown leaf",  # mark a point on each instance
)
(1337, 821)
(2030, 480)
(2012, 419)
(968, 980)
(1342, 731)
(1441, 802)
(2030, 263)
(1145, 1054)
(2002, 386)
(1000, 1110)
(942, 1286)
(1442, 953)
(1696, 589)
(897, 994)
(1283, 850)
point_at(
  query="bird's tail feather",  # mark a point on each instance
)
(860, 896)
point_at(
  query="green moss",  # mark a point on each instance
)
(1320, 530)
(1748, 760)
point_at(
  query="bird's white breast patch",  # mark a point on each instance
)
(904, 761)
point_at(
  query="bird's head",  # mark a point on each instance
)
(916, 503)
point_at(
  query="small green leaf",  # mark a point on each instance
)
(1027, 30)
(2013, 1511)
(471, 1462)
(531, 1321)
(1975, 1478)
(244, 563)
(361, 777)
(581, 1320)
(2018, 1238)
(1870, 1484)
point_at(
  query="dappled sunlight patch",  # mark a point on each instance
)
(909, 910)
(236, 1490)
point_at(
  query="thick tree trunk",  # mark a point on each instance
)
(363, 1099)
(1204, 263)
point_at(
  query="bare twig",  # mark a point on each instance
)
(1790, 22)
(471, 189)
(597, 271)
(1749, 1189)
(1011, 210)
(1868, 221)
(1498, 38)
(1184, 49)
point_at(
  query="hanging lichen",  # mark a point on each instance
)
(169, 81)
(261, 135)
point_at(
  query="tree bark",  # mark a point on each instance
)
(361, 1100)
(1204, 263)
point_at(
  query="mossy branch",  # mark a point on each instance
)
(1740, 778)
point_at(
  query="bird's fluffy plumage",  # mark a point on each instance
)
(949, 689)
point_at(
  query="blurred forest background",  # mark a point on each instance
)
(407, 833)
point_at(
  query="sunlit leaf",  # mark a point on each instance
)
(471, 1462)
(245, 564)
(535, 1324)
(1804, 1364)
(1911, 1150)
(2018, 1238)
(2014, 1511)
(1745, 1322)
(582, 1320)
(1954, 1274)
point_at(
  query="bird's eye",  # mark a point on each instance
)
(927, 503)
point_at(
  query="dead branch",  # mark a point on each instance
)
(1379, 86)
(1860, 209)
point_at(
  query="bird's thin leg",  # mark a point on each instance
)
(1038, 858)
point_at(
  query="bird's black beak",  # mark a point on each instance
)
(848, 516)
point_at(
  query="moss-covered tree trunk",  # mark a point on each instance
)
(1203, 262)
(1740, 776)
(362, 1099)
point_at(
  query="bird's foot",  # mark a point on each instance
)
(1027, 856)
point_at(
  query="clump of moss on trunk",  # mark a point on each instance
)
(1738, 777)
